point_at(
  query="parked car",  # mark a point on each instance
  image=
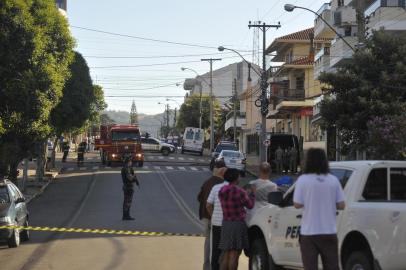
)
(220, 147)
(371, 230)
(233, 159)
(154, 145)
(13, 211)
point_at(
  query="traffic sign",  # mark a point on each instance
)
(258, 127)
(267, 142)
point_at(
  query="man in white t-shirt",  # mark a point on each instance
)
(320, 195)
(216, 212)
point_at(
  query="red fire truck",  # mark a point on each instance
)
(117, 142)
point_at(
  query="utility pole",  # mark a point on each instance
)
(264, 102)
(167, 120)
(200, 105)
(211, 60)
(235, 108)
(360, 9)
(174, 119)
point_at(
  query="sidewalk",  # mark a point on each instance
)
(34, 188)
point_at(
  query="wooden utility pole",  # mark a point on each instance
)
(235, 108)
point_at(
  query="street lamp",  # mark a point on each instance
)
(222, 49)
(290, 8)
(200, 87)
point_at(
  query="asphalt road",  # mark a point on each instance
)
(91, 197)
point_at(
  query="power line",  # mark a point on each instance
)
(151, 57)
(140, 89)
(158, 64)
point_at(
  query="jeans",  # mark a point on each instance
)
(206, 258)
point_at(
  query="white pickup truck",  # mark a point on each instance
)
(371, 230)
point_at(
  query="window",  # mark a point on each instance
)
(342, 174)
(376, 187)
(398, 184)
(4, 197)
(198, 136)
(152, 141)
(13, 193)
(125, 135)
(231, 154)
(189, 134)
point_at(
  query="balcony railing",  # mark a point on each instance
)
(384, 3)
(289, 94)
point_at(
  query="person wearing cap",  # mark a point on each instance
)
(129, 177)
(204, 215)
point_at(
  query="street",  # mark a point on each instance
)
(90, 197)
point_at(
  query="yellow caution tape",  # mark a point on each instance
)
(96, 231)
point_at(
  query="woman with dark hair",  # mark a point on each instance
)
(320, 195)
(234, 235)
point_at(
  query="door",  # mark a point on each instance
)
(17, 205)
(286, 235)
(154, 144)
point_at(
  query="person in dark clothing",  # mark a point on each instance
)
(65, 148)
(204, 215)
(129, 177)
(81, 152)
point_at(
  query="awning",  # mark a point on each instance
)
(285, 108)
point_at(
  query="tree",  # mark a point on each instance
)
(35, 52)
(371, 84)
(80, 104)
(133, 114)
(189, 112)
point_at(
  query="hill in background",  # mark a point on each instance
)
(148, 123)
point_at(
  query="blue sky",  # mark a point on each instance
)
(115, 61)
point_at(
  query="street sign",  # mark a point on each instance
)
(267, 142)
(258, 127)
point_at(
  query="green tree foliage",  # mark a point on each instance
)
(371, 84)
(78, 101)
(189, 113)
(35, 52)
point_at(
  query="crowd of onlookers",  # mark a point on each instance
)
(225, 206)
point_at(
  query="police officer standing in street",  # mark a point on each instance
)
(129, 177)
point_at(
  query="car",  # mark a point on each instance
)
(371, 232)
(154, 145)
(13, 211)
(223, 145)
(233, 159)
(193, 140)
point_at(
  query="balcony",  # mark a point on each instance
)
(321, 29)
(386, 14)
(286, 94)
(240, 120)
(345, 15)
(322, 62)
(340, 51)
(383, 4)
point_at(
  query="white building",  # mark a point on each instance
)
(62, 6)
(222, 81)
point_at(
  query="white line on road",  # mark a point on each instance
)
(108, 167)
(161, 157)
(181, 158)
(157, 167)
(193, 168)
(206, 169)
(95, 167)
(145, 167)
(190, 158)
(182, 168)
(171, 158)
(82, 168)
(70, 169)
(169, 167)
(201, 159)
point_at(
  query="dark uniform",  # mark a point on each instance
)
(129, 177)
(65, 149)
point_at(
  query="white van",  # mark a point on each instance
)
(193, 139)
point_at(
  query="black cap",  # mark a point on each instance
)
(219, 164)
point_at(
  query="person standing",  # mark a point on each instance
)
(293, 160)
(234, 233)
(65, 148)
(204, 215)
(216, 213)
(279, 159)
(320, 195)
(129, 177)
(263, 185)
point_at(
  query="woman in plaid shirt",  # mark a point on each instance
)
(234, 235)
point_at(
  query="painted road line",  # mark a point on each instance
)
(161, 157)
(193, 168)
(145, 167)
(157, 167)
(169, 167)
(83, 168)
(182, 168)
(181, 158)
(95, 167)
(70, 169)
(201, 160)
(171, 158)
(206, 169)
(191, 158)
(108, 168)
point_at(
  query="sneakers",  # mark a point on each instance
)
(128, 218)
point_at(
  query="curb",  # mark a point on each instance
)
(42, 189)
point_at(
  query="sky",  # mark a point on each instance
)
(129, 54)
